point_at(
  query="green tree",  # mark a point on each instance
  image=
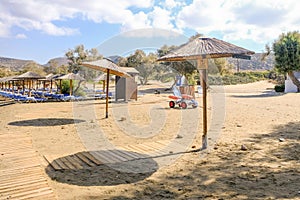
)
(122, 62)
(186, 68)
(197, 35)
(63, 69)
(51, 68)
(219, 66)
(4, 72)
(75, 57)
(136, 59)
(287, 54)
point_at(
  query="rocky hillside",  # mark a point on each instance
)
(13, 64)
(57, 62)
(255, 64)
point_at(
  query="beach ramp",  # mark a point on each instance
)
(21, 175)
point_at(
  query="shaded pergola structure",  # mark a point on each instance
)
(201, 49)
(50, 78)
(109, 67)
(7, 80)
(29, 77)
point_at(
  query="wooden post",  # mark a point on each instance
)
(44, 85)
(9, 86)
(103, 85)
(51, 82)
(30, 86)
(107, 86)
(60, 86)
(203, 65)
(71, 87)
(23, 86)
(12, 82)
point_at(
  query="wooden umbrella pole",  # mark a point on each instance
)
(71, 87)
(107, 86)
(204, 98)
(104, 85)
(23, 86)
(60, 86)
(44, 85)
(30, 86)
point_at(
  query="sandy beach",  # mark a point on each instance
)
(254, 141)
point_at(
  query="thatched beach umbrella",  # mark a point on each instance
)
(29, 76)
(108, 67)
(201, 49)
(71, 77)
(49, 78)
(8, 79)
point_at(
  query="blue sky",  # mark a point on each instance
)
(41, 29)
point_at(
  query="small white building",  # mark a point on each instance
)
(289, 85)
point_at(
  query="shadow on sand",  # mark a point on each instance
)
(46, 122)
(261, 95)
(86, 169)
(269, 169)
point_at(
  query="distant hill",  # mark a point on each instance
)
(17, 65)
(57, 61)
(255, 64)
(13, 64)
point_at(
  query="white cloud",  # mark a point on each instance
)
(21, 36)
(161, 18)
(41, 15)
(137, 21)
(4, 30)
(170, 4)
(257, 20)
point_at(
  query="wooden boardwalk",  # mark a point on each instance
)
(83, 160)
(21, 175)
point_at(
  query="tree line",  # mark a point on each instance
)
(286, 50)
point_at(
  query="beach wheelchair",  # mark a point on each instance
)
(182, 100)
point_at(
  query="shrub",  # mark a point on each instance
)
(65, 86)
(279, 88)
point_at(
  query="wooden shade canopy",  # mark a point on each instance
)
(29, 76)
(201, 49)
(107, 66)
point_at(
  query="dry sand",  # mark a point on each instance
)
(252, 115)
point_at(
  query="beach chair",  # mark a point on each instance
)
(182, 100)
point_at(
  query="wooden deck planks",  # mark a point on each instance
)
(21, 175)
(83, 160)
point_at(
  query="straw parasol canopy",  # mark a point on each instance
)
(30, 75)
(204, 47)
(71, 77)
(7, 79)
(201, 49)
(107, 66)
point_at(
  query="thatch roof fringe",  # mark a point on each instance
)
(206, 48)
